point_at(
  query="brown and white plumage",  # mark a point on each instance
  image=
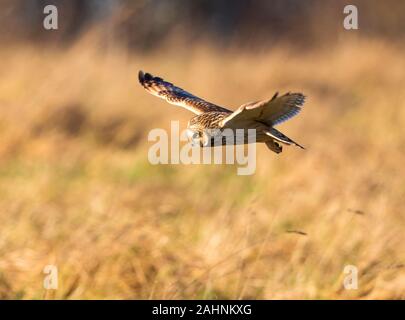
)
(272, 112)
(177, 96)
(260, 115)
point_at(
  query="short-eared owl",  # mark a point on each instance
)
(260, 115)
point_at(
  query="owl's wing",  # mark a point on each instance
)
(175, 95)
(270, 112)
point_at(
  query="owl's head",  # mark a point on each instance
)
(203, 137)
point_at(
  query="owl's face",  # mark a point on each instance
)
(203, 138)
(193, 137)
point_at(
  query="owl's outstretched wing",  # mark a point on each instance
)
(175, 95)
(269, 112)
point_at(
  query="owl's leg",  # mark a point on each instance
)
(274, 146)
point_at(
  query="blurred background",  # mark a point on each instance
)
(77, 190)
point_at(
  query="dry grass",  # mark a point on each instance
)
(77, 191)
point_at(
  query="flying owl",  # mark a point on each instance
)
(211, 120)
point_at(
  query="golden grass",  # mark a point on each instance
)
(77, 191)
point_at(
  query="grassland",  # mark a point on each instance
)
(77, 190)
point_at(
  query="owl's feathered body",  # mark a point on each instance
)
(211, 120)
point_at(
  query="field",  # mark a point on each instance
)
(77, 190)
